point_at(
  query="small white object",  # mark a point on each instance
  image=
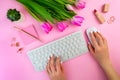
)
(67, 48)
(91, 30)
(69, 7)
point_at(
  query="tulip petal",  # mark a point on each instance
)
(62, 26)
(46, 27)
(80, 4)
(77, 20)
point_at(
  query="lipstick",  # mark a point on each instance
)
(99, 16)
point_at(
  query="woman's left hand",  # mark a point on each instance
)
(55, 69)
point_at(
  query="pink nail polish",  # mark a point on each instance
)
(91, 32)
(88, 42)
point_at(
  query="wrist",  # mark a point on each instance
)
(105, 64)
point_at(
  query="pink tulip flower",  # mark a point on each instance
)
(77, 20)
(46, 27)
(80, 4)
(62, 26)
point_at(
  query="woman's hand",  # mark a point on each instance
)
(99, 50)
(54, 69)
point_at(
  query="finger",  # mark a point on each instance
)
(104, 39)
(101, 35)
(48, 67)
(90, 48)
(52, 63)
(99, 38)
(61, 66)
(94, 41)
(58, 64)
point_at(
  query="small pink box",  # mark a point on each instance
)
(28, 39)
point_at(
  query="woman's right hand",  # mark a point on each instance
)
(99, 49)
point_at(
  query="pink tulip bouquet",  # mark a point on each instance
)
(54, 12)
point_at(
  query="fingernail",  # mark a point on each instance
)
(48, 58)
(58, 56)
(96, 31)
(61, 62)
(91, 32)
(88, 42)
(51, 55)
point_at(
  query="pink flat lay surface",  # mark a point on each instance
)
(16, 66)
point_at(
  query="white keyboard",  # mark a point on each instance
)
(67, 48)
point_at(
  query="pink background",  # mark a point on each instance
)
(16, 66)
